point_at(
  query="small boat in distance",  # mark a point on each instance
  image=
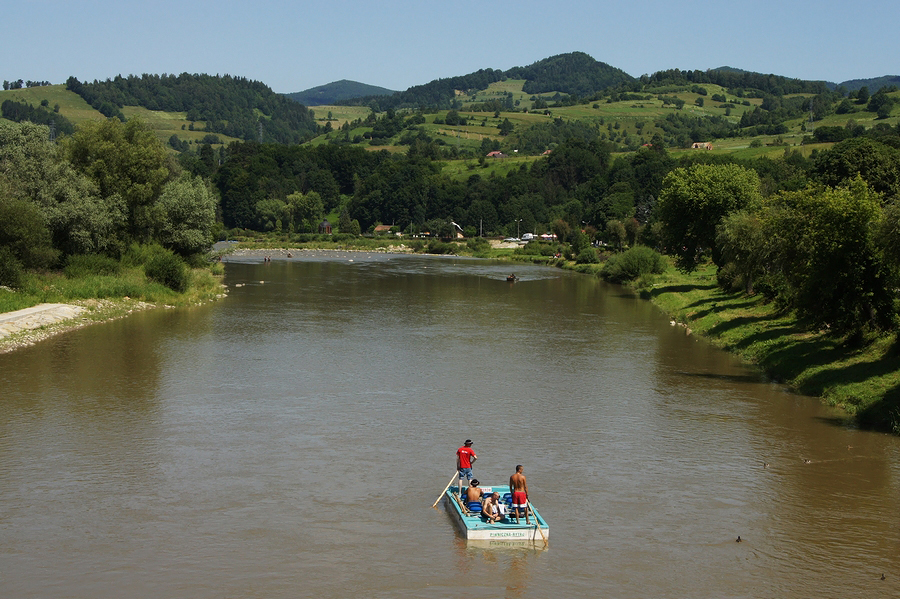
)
(474, 527)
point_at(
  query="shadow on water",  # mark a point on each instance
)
(732, 378)
(837, 421)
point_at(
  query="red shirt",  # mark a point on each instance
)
(464, 455)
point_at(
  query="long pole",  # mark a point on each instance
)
(537, 524)
(455, 474)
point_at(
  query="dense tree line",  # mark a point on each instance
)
(253, 173)
(19, 84)
(97, 191)
(740, 83)
(227, 104)
(579, 182)
(821, 243)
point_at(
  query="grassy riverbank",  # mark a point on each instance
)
(130, 284)
(103, 296)
(864, 381)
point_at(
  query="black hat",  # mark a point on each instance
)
(468, 442)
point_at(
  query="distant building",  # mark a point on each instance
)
(383, 229)
(496, 154)
(701, 145)
(325, 227)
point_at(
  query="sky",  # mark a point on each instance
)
(293, 46)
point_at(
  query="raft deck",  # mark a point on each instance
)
(474, 527)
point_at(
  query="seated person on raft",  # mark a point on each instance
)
(492, 509)
(473, 493)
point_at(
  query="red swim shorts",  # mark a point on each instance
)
(519, 499)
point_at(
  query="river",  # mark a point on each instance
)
(288, 441)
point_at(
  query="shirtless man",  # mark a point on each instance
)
(519, 488)
(491, 508)
(473, 493)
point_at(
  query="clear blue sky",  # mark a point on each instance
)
(292, 46)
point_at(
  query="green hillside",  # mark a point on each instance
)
(732, 110)
(232, 106)
(520, 111)
(74, 108)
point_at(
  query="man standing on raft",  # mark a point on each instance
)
(465, 457)
(519, 488)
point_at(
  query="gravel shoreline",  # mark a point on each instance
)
(24, 328)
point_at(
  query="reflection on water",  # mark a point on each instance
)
(288, 441)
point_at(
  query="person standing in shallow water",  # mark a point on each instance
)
(519, 488)
(465, 457)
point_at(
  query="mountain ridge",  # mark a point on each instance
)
(336, 91)
(580, 77)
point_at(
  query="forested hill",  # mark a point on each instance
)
(736, 79)
(873, 84)
(229, 105)
(576, 74)
(334, 92)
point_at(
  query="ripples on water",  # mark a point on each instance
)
(288, 441)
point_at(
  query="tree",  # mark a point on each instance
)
(307, 210)
(616, 234)
(826, 250)
(743, 245)
(124, 160)
(24, 233)
(862, 96)
(344, 221)
(694, 200)
(506, 127)
(80, 220)
(269, 214)
(877, 163)
(183, 218)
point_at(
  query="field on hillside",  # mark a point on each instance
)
(339, 114)
(461, 170)
(165, 124)
(73, 107)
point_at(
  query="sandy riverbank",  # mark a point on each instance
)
(23, 328)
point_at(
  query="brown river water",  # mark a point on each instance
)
(288, 441)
